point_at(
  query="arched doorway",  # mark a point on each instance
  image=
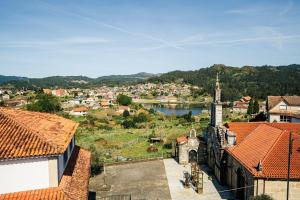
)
(193, 156)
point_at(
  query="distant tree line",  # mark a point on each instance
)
(257, 82)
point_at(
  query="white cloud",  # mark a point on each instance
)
(56, 42)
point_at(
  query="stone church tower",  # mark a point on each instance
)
(216, 106)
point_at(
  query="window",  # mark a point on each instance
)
(284, 118)
(283, 107)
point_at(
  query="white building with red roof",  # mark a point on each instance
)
(39, 158)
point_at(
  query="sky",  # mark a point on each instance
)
(40, 38)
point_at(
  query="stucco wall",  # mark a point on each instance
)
(25, 174)
(273, 117)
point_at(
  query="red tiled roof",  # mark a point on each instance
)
(49, 193)
(268, 143)
(25, 134)
(73, 185)
(80, 109)
(181, 139)
(242, 129)
(75, 180)
(239, 104)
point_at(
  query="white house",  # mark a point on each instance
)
(283, 109)
(39, 158)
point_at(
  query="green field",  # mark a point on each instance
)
(109, 141)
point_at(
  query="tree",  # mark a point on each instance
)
(255, 107)
(126, 114)
(250, 107)
(45, 103)
(124, 99)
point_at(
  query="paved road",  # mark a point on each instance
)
(174, 173)
(142, 180)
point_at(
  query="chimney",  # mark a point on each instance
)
(259, 166)
(231, 138)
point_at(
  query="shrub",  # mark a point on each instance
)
(141, 117)
(126, 113)
(152, 148)
(128, 124)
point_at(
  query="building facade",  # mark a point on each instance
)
(283, 109)
(252, 157)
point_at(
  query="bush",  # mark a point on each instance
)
(128, 124)
(152, 148)
(126, 113)
(141, 117)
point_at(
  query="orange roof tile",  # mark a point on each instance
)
(242, 129)
(80, 109)
(25, 133)
(181, 139)
(73, 185)
(268, 143)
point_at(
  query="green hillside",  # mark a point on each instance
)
(258, 82)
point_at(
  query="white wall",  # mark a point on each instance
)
(25, 174)
(273, 117)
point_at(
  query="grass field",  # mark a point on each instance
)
(116, 142)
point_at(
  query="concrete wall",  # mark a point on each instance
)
(24, 174)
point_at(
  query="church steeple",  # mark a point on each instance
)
(216, 107)
(217, 97)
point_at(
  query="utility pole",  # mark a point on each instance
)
(289, 165)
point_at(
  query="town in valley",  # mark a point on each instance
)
(123, 100)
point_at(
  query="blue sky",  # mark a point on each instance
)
(41, 38)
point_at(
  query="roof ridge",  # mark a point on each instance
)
(36, 133)
(274, 144)
(248, 134)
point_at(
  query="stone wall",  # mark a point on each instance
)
(277, 189)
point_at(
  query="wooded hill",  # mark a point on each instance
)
(258, 82)
(74, 81)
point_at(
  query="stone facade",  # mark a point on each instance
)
(188, 149)
(231, 172)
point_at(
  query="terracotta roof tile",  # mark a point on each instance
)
(268, 143)
(75, 180)
(25, 133)
(73, 185)
(80, 109)
(242, 129)
(181, 139)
